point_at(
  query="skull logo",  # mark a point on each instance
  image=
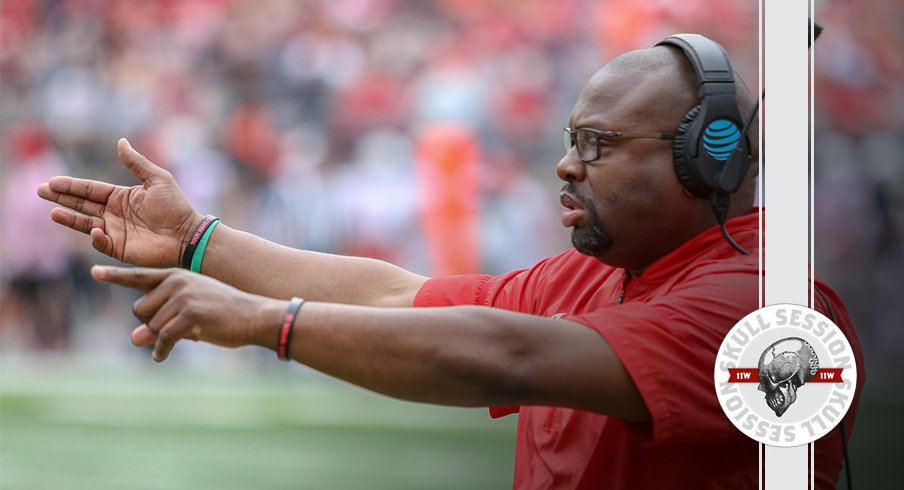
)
(784, 367)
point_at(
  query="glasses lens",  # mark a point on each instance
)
(566, 138)
(587, 145)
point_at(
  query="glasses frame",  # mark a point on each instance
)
(571, 141)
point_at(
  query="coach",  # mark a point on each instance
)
(606, 351)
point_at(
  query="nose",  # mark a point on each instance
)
(570, 168)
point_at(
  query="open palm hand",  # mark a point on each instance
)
(146, 224)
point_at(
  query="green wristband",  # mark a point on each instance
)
(198, 256)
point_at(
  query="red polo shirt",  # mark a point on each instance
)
(666, 327)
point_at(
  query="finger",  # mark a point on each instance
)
(154, 308)
(140, 166)
(168, 326)
(142, 336)
(75, 220)
(167, 337)
(91, 190)
(140, 278)
(80, 204)
(102, 242)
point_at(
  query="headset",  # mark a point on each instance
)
(710, 150)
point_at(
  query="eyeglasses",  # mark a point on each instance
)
(588, 140)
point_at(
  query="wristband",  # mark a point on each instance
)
(195, 238)
(285, 330)
(198, 256)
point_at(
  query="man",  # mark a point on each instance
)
(606, 351)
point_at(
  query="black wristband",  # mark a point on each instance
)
(195, 238)
(285, 329)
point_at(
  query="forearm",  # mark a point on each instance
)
(262, 267)
(464, 356)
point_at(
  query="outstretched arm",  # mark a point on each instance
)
(149, 225)
(261, 267)
(465, 355)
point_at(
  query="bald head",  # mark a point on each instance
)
(659, 83)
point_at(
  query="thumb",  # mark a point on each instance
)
(140, 166)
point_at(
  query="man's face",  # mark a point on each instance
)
(626, 208)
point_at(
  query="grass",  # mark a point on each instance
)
(874, 448)
(172, 428)
(161, 430)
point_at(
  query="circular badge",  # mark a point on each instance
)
(785, 375)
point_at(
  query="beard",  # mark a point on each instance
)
(590, 238)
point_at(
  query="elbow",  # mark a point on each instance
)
(523, 360)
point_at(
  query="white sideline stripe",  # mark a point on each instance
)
(787, 241)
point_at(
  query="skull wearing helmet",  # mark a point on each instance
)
(784, 367)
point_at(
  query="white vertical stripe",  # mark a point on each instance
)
(759, 473)
(785, 165)
(786, 468)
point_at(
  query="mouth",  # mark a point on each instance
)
(776, 402)
(574, 213)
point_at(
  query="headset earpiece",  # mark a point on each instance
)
(678, 149)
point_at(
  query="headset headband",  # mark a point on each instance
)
(709, 59)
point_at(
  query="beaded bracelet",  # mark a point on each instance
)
(285, 330)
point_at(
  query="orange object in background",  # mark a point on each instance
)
(447, 158)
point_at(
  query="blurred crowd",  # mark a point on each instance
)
(382, 127)
(859, 171)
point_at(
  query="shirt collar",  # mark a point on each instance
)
(708, 245)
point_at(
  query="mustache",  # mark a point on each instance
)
(569, 188)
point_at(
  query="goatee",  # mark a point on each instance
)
(589, 238)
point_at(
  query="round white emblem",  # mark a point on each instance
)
(785, 375)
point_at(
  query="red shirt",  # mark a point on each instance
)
(666, 327)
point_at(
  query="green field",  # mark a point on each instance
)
(168, 429)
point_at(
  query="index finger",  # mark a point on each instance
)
(141, 278)
(92, 190)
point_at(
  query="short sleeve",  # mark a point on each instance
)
(668, 347)
(466, 289)
(473, 289)
(507, 291)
